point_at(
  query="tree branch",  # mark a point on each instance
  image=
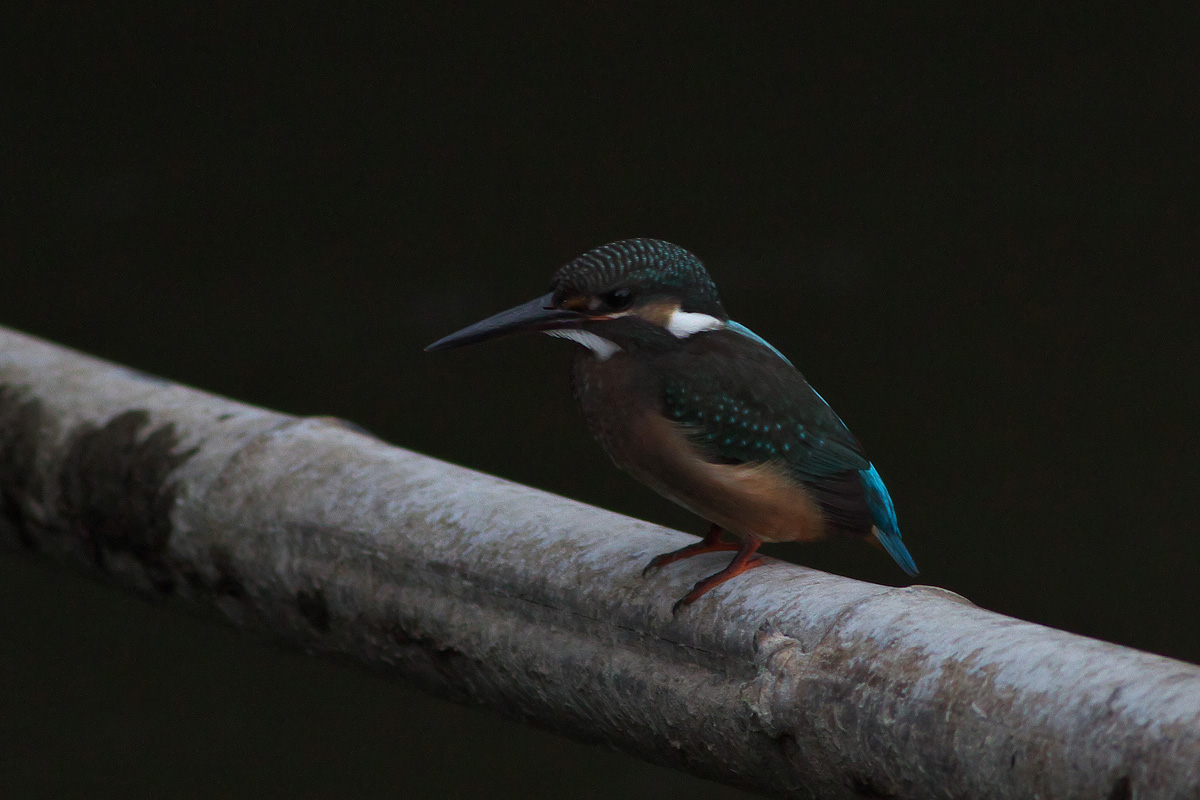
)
(789, 681)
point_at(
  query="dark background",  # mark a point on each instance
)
(975, 232)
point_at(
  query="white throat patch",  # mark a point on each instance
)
(603, 348)
(683, 324)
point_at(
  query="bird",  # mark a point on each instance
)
(701, 409)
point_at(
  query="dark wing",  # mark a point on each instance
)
(741, 402)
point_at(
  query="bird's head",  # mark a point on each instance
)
(611, 296)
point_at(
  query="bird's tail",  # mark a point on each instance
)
(885, 529)
(894, 546)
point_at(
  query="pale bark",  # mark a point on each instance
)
(787, 680)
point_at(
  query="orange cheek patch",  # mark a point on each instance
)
(576, 302)
(657, 313)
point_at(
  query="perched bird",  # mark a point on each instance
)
(700, 409)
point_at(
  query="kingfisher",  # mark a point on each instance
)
(700, 408)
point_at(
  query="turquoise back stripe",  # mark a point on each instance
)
(738, 327)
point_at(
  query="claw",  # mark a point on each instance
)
(711, 543)
(746, 559)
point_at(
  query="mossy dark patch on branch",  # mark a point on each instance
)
(865, 787)
(444, 660)
(313, 607)
(21, 422)
(222, 580)
(115, 492)
(229, 582)
(1122, 789)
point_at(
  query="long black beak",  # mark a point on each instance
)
(536, 315)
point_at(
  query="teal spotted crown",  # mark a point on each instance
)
(647, 266)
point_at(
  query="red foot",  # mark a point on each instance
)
(710, 544)
(745, 559)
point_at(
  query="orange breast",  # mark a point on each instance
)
(749, 500)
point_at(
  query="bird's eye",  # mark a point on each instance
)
(618, 298)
